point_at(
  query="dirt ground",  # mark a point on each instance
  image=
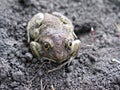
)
(92, 69)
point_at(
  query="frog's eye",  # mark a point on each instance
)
(46, 46)
(69, 45)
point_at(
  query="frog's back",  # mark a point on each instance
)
(52, 21)
(41, 24)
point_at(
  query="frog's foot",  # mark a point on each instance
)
(35, 49)
(33, 25)
(62, 65)
(67, 23)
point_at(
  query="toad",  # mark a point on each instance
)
(52, 37)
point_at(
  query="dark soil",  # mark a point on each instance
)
(92, 69)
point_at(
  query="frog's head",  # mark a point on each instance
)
(59, 47)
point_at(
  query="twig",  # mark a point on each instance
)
(87, 45)
(30, 82)
(52, 87)
(115, 60)
(41, 85)
(93, 34)
(60, 66)
(118, 28)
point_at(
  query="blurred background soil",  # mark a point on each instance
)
(92, 69)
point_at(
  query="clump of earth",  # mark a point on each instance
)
(92, 69)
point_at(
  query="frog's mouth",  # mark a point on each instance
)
(56, 61)
(45, 58)
(72, 55)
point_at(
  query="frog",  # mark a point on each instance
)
(51, 36)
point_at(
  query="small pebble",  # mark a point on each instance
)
(29, 56)
(69, 69)
(68, 82)
(23, 59)
(18, 76)
(40, 73)
(24, 24)
(14, 84)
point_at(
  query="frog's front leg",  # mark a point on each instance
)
(35, 49)
(75, 47)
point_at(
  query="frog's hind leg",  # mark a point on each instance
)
(33, 25)
(63, 18)
(67, 23)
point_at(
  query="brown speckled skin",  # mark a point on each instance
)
(53, 31)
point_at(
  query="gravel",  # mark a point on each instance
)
(92, 69)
